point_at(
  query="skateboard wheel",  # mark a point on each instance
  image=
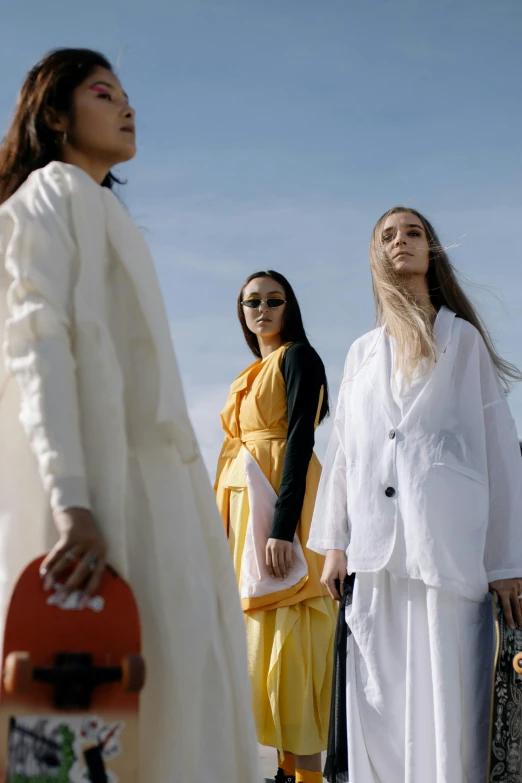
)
(517, 663)
(132, 673)
(18, 672)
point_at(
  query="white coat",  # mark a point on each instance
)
(92, 414)
(449, 472)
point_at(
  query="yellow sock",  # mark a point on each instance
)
(304, 776)
(287, 764)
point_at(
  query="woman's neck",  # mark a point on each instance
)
(417, 288)
(96, 169)
(268, 345)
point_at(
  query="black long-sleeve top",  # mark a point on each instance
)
(304, 375)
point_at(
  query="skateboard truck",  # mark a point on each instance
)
(73, 676)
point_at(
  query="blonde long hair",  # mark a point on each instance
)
(409, 324)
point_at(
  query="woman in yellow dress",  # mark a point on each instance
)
(266, 485)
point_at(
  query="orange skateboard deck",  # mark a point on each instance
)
(69, 696)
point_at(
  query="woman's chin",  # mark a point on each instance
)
(409, 268)
(126, 153)
(266, 332)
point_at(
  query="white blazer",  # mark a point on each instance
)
(54, 231)
(92, 414)
(449, 472)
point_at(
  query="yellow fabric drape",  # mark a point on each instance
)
(255, 416)
(289, 633)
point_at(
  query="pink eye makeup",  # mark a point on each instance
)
(99, 90)
(110, 91)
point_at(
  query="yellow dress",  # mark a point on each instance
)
(290, 633)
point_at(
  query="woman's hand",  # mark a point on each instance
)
(279, 557)
(335, 567)
(79, 543)
(510, 594)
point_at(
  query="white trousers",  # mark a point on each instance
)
(419, 674)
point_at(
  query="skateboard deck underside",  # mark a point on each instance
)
(68, 748)
(505, 764)
(94, 743)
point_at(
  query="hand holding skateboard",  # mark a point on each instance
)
(334, 572)
(509, 592)
(80, 543)
(71, 678)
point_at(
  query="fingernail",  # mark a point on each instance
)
(48, 582)
(272, 576)
(43, 572)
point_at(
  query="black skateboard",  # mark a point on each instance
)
(505, 755)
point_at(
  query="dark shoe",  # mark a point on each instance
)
(282, 778)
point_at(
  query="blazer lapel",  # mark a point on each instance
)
(131, 249)
(87, 211)
(379, 371)
(89, 201)
(432, 396)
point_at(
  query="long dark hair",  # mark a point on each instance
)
(292, 327)
(409, 324)
(30, 143)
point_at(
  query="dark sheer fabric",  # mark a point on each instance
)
(336, 767)
(304, 374)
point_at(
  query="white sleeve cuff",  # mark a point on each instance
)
(322, 545)
(69, 492)
(511, 573)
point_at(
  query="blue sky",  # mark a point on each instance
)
(273, 133)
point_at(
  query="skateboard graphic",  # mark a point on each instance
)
(71, 677)
(505, 753)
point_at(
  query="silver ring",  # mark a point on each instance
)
(70, 556)
(91, 563)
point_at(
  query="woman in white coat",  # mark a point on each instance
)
(98, 459)
(421, 498)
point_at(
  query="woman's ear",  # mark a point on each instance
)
(54, 121)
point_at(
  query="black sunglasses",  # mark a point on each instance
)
(270, 302)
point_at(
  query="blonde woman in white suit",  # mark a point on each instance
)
(421, 498)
